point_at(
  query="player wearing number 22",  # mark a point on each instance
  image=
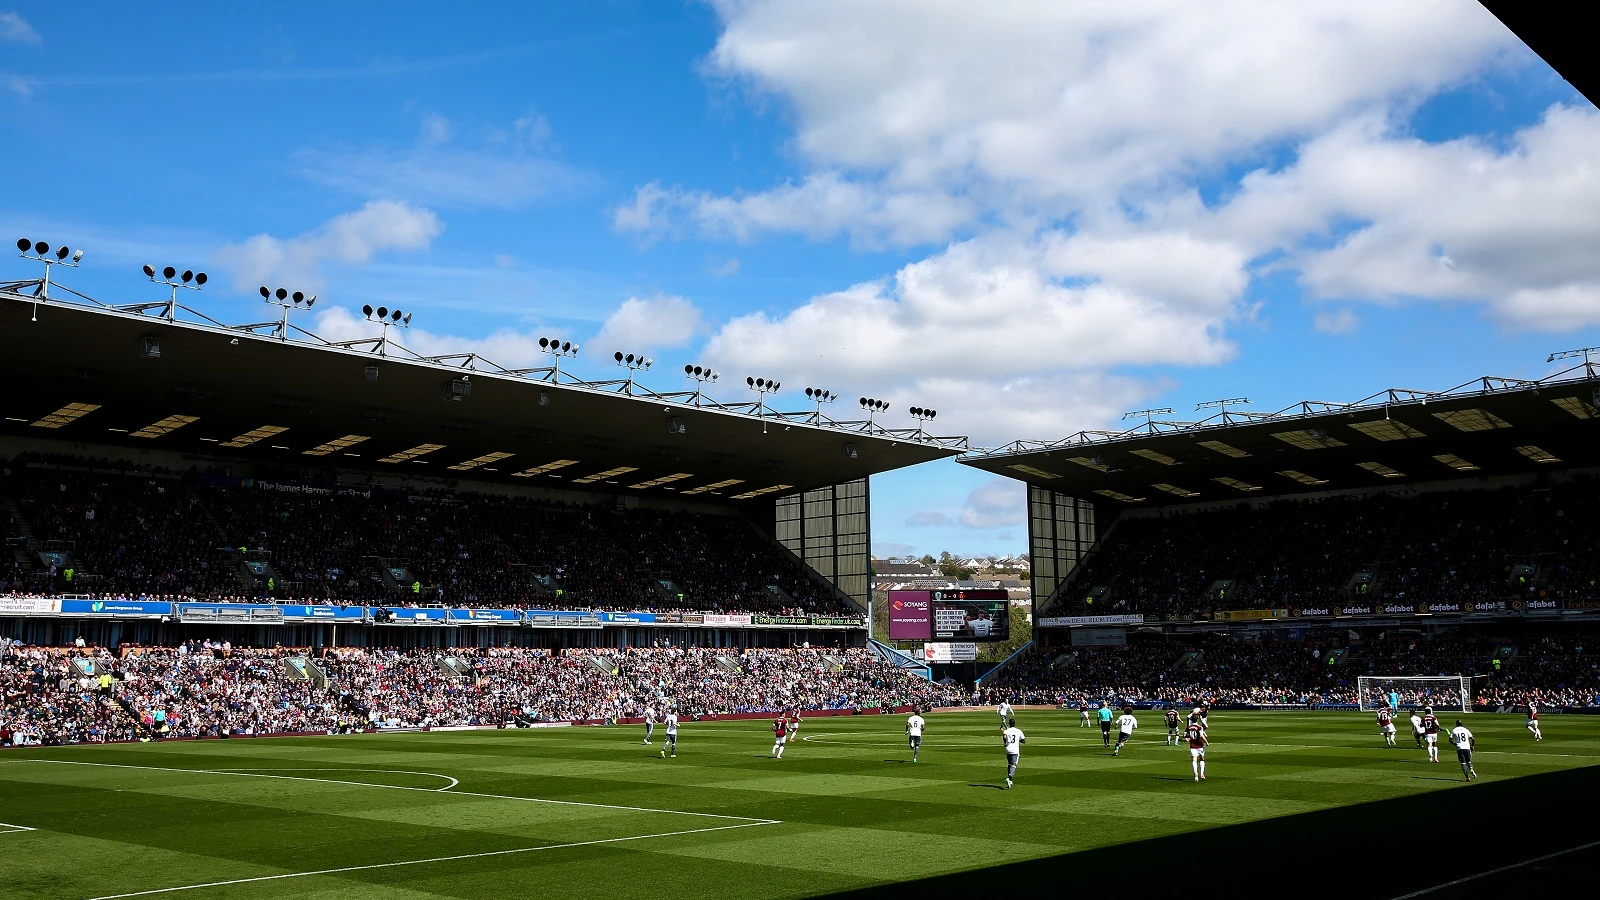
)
(1013, 739)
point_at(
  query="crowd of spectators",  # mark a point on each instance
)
(1546, 671)
(86, 694)
(129, 534)
(1447, 546)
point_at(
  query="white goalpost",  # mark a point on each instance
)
(1442, 692)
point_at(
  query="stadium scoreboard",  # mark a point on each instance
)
(971, 615)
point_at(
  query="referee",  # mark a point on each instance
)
(1105, 723)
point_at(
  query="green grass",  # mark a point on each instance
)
(844, 810)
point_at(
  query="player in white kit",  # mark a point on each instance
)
(914, 727)
(671, 743)
(1416, 727)
(1465, 744)
(649, 724)
(1005, 713)
(1126, 723)
(1013, 739)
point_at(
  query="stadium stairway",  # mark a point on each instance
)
(1020, 651)
(294, 668)
(901, 660)
(605, 665)
(454, 666)
(727, 664)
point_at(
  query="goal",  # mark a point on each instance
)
(1442, 692)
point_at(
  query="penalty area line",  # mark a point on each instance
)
(1487, 872)
(421, 862)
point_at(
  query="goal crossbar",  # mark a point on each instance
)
(1442, 692)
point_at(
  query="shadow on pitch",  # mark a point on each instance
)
(998, 787)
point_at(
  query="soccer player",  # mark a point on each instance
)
(1172, 726)
(1197, 750)
(1126, 723)
(1430, 733)
(1465, 744)
(914, 726)
(1386, 726)
(1005, 712)
(1083, 714)
(1533, 722)
(671, 741)
(794, 726)
(649, 723)
(1394, 699)
(1416, 727)
(1201, 716)
(1105, 723)
(1013, 739)
(780, 735)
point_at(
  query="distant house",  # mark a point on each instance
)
(888, 570)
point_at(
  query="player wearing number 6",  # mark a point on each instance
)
(914, 727)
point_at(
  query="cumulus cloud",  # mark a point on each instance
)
(997, 503)
(507, 347)
(15, 29)
(927, 519)
(354, 238)
(650, 323)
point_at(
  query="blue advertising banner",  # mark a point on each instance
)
(146, 608)
(628, 618)
(324, 613)
(488, 616)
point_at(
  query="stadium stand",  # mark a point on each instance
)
(152, 534)
(199, 689)
(1513, 542)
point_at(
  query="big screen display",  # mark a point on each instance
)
(979, 615)
(910, 615)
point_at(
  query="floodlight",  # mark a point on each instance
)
(405, 321)
(383, 312)
(62, 252)
(188, 276)
(41, 248)
(77, 255)
(750, 380)
(281, 293)
(199, 277)
(23, 244)
(298, 297)
(618, 356)
(150, 271)
(168, 272)
(366, 310)
(543, 342)
(266, 293)
(396, 315)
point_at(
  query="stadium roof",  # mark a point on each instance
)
(84, 372)
(1555, 32)
(1488, 426)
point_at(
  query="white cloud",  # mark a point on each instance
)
(510, 171)
(649, 323)
(927, 519)
(997, 503)
(15, 29)
(506, 347)
(1336, 321)
(353, 238)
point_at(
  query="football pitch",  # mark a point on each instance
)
(592, 812)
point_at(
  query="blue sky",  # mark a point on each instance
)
(1030, 218)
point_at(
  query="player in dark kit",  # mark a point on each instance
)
(1172, 726)
(780, 735)
(1430, 734)
(1197, 750)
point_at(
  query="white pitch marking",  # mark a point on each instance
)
(397, 787)
(436, 859)
(453, 782)
(15, 829)
(1516, 865)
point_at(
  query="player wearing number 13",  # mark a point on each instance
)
(1013, 739)
(1386, 726)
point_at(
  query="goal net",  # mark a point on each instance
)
(1442, 692)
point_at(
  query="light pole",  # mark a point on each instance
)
(820, 396)
(189, 280)
(762, 387)
(873, 407)
(558, 350)
(700, 375)
(383, 316)
(1586, 352)
(1149, 416)
(1222, 406)
(923, 416)
(297, 300)
(633, 362)
(40, 251)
